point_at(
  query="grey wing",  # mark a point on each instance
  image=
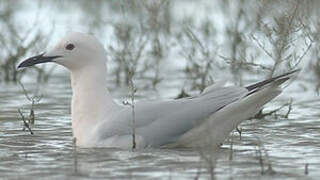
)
(160, 123)
(172, 119)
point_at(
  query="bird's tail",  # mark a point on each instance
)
(218, 126)
(283, 77)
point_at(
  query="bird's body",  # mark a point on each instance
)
(97, 121)
(163, 122)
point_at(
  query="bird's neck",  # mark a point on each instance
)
(91, 101)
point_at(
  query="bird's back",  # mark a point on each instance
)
(164, 122)
(200, 120)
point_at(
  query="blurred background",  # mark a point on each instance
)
(168, 49)
(203, 40)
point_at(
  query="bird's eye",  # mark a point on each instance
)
(70, 47)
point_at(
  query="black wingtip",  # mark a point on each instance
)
(282, 76)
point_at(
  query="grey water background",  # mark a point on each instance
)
(289, 144)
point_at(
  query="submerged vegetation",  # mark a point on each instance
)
(29, 121)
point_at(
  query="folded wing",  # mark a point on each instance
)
(196, 121)
(160, 123)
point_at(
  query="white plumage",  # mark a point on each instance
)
(98, 121)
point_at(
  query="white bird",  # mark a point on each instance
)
(98, 121)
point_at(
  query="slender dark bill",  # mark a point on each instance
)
(37, 60)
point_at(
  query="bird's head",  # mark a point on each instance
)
(74, 51)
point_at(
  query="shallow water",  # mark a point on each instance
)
(48, 154)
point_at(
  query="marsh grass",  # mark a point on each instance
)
(282, 37)
(75, 155)
(306, 169)
(127, 53)
(198, 174)
(133, 90)
(157, 26)
(132, 96)
(238, 17)
(276, 113)
(140, 36)
(263, 158)
(255, 38)
(30, 120)
(314, 64)
(34, 99)
(209, 156)
(231, 147)
(316, 69)
(26, 123)
(16, 44)
(200, 58)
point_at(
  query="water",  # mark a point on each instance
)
(49, 154)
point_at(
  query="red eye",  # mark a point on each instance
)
(70, 47)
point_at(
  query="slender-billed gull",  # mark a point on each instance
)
(98, 121)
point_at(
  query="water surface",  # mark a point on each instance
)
(287, 144)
